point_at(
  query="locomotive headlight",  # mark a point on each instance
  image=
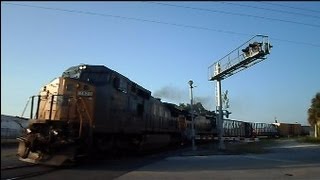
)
(28, 130)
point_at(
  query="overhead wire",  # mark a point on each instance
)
(232, 13)
(276, 39)
(130, 18)
(295, 42)
(157, 22)
(274, 10)
(281, 5)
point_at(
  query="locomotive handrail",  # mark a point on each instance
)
(25, 107)
(51, 106)
(83, 105)
(38, 104)
(86, 110)
(81, 121)
(51, 103)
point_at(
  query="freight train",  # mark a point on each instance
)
(93, 108)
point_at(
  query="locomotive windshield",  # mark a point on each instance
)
(73, 72)
(91, 74)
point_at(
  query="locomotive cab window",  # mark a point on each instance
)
(96, 78)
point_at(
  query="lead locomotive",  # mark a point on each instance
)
(93, 108)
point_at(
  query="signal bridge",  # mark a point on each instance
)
(249, 53)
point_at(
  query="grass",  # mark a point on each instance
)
(245, 148)
(309, 139)
(237, 147)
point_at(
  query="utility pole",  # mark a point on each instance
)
(192, 119)
(251, 52)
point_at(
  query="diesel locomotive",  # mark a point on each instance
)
(93, 108)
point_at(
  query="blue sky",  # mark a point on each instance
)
(38, 44)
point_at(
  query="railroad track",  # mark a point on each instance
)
(16, 172)
(17, 166)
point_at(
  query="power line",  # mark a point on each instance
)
(158, 22)
(236, 14)
(131, 18)
(295, 42)
(303, 9)
(274, 10)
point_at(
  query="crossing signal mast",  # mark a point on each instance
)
(248, 54)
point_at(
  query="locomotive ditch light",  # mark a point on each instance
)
(28, 130)
(55, 132)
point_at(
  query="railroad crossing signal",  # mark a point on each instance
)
(225, 100)
(248, 54)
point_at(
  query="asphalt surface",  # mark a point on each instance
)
(287, 160)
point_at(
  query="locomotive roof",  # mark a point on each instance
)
(88, 68)
(96, 69)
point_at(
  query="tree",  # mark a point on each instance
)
(198, 109)
(314, 114)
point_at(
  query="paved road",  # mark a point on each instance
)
(289, 160)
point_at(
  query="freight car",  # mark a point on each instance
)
(236, 128)
(289, 129)
(93, 108)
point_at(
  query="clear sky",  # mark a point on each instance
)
(163, 45)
